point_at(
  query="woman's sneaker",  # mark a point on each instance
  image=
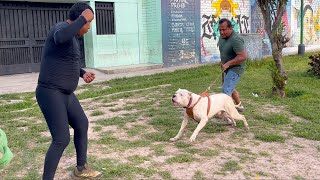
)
(86, 173)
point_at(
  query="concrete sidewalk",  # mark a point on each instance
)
(28, 82)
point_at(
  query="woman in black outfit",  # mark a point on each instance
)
(58, 79)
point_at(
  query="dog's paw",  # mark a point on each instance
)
(173, 139)
(192, 138)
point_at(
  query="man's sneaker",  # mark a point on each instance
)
(239, 107)
(86, 173)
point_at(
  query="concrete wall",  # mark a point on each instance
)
(252, 44)
(188, 33)
(150, 38)
(136, 40)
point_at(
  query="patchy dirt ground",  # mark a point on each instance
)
(235, 154)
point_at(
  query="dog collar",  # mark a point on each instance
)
(189, 104)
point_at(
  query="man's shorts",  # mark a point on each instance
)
(231, 80)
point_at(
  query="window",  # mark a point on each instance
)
(105, 18)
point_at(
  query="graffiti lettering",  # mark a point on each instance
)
(184, 42)
(176, 16)
(177, 30)
(207, 26)
(189, 29)
(178, 4)
(190, 24)
(242, 21)
(176, 24)
(181, 19)
(179, 1)
(175, 12)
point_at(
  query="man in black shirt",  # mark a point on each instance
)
(58, 79)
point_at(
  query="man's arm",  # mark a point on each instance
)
(82, 72)
(241, 57)
(65, 33)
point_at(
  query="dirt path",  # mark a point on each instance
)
(238, 155)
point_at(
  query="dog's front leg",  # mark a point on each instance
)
(202, 123)
(182, 128)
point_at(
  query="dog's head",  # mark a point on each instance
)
(181, 98)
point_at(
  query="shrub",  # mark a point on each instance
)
(315, 65)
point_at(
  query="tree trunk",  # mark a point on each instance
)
(272, 11)
(280, 77)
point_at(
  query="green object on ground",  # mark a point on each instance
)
(5, 153)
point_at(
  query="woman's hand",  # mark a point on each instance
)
(88, 77)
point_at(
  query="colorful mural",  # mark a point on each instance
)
(247, 18)
(311, 28)
(211, 12)
(257, 26)
(292, 21)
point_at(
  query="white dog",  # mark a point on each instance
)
(204, 108)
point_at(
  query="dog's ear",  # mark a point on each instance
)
(190, 93)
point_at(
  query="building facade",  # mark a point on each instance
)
(139, 32)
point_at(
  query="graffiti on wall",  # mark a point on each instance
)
(311, 24)
(292, 21)
(237, 11)
(247, 18)
(311, 30)
(181, 32)
(257, 26)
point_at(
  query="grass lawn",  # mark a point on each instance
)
(131, 114)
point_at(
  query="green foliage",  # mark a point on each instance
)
(279, 80)
(198, 175)
(181, 158)
(97, 113)
(231, 166)
(315, 65)
(269, 137)
(307, 130)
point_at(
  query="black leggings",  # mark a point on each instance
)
(61, 110)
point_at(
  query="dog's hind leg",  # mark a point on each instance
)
(234, 114)
(230, 119)
(245, 123)
(182, 128)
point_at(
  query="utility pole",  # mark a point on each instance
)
(301, 47)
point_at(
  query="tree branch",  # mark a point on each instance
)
(281, 7)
